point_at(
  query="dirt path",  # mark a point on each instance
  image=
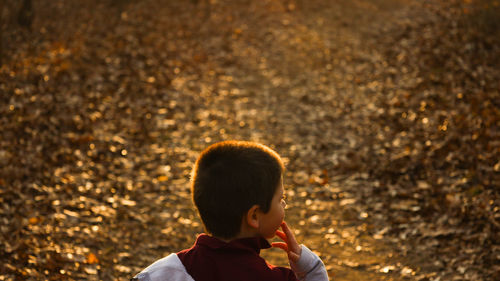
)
(311, 82)
(295, 76)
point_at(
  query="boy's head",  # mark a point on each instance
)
(231, 177)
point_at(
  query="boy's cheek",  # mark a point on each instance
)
(270, 236)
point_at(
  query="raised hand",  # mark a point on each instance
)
(290, 245)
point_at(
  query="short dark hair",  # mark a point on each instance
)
(229, 178)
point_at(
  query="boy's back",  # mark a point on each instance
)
(211, 259)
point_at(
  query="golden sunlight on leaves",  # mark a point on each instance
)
(162, 178)
(92, 259)
(34, 220)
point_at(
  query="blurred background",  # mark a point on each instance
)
(386, 113)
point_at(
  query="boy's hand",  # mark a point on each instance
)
(290, 246)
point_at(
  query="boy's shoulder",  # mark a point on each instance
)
(169, 266)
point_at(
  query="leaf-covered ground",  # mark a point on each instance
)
(386, 113)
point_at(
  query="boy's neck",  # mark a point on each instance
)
(243, 234)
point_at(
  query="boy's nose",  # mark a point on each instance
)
(283, 203)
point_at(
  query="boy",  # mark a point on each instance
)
(237, 188)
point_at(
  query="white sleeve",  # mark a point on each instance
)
(309, 267)
(168, 268)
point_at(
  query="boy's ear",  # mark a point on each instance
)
(253, 216)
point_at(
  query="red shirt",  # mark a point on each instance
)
(211, 259)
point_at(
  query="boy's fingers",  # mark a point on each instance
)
(288, 232)
(280, 245)
(281, 235)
